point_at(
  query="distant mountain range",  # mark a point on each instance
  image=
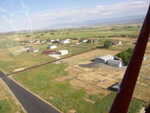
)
(130, 20)
(92, 23)
(100, 22)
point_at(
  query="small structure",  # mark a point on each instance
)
(55, 55)
(55, 41)
(31, 49)
(115, 87)
(52, 47)
(117, 43)
(63, 52)
(35, 50)
(67, 41)
(84, 41)
(52, 41)
(91, 40)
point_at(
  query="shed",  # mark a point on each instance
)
(52, 47)
(64, 52)
(66, 41)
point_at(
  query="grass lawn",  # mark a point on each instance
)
(42, 81)
(10, 62)
(7, 103)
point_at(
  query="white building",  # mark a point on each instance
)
(52, 47)
(52, 41)
(57, 56)
(64, 52)
(85, 41)
(67, 41)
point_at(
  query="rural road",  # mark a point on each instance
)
(31, 103)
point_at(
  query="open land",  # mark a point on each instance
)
(67, 85)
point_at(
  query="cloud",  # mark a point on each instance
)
(61, 18)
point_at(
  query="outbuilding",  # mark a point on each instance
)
(66, 41)
(52, 47)
(63, 52)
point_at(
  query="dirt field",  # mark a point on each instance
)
(93, 80)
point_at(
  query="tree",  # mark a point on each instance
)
(107, 44)
(126, 55)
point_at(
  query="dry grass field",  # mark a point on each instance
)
(93, 80)
(97, 80)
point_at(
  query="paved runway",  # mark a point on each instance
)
(31, 103)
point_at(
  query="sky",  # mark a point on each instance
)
(16, 15)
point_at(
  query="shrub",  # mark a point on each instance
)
(107, 44)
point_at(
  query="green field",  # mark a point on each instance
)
(128, 30)
(42, 81)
